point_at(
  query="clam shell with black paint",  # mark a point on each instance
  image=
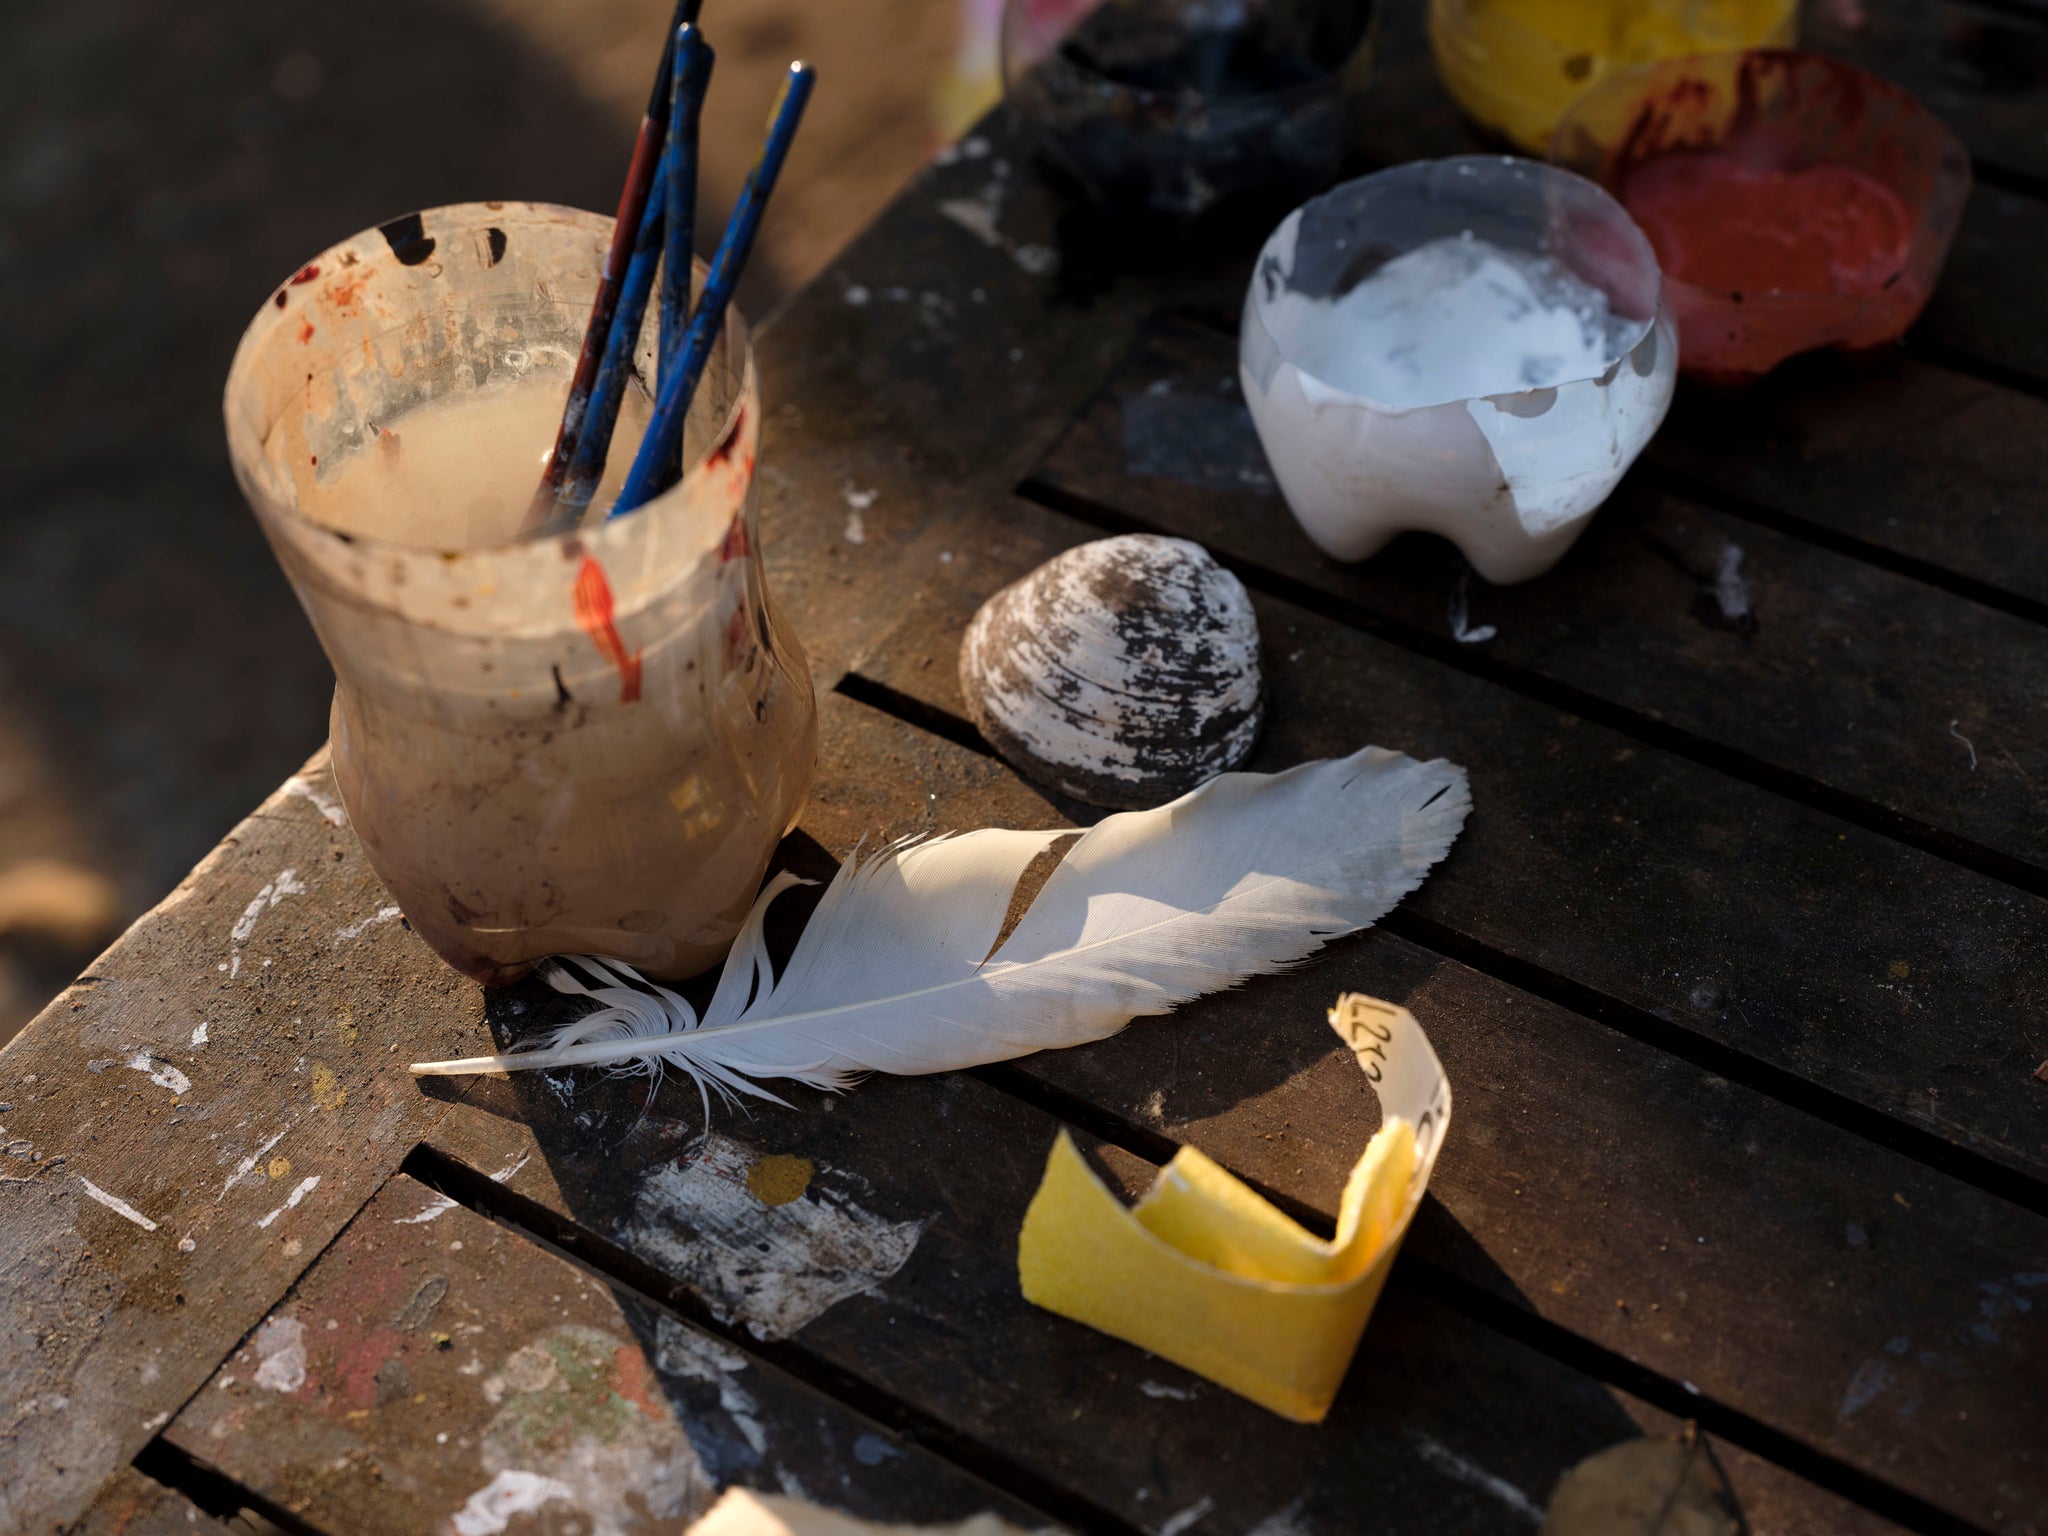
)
(1124, 672)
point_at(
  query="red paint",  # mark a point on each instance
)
(723, 452)
(306, 274)
(736, 545)
(594, 616)
(1720, 222)
(634, 1382)
(305, 332)
(356, 1364)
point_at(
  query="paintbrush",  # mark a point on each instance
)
(692, 76)
(632, 203)
(661, 445)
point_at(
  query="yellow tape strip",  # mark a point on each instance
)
(1207, 1274)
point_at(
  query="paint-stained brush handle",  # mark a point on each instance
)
(663, 440)
(615, 374)
(692, 76)
(640, 172)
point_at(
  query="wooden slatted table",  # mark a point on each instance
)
(1740, 971)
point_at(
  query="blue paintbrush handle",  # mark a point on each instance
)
(693, 61)
(601, 416)
(663, 441)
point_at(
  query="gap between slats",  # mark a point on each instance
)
(627, 1272)
(1798, 1093)
(1659, 734)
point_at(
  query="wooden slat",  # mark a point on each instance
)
(1442, 1427)
(1883, 975)
(1604, 1170)
(130, 1504)
(233, 1159)
(1907, 459)
(1982, 69)
(1911, 699)
(100, 1312)
(434, 1365)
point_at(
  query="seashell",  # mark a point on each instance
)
(1124, 672)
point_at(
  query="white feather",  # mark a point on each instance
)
(1246, 875)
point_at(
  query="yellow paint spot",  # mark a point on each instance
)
(779, 1179)
(279, 1168)
(327, 1090)
(345, 1025)
(1901, 970)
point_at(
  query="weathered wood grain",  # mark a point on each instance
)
(1904, 458)
(1254, 1067)
(190, 1124)
(1684, 1222)
(1907, 697)
(1443, 1426)
(130, 1504)
(1885, 975)
(435, 1368)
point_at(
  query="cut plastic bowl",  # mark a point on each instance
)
(1787, 113)
(1516, 65)
(1511, 478)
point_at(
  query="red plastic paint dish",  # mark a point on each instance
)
(1794, 201)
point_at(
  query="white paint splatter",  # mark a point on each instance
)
(436, 1207)
(286, 884)
(357, 930)
(856, 498)
(856, 529)
(325, 803)
(281, 1350)
(306, 1187)
(162, 1073)
(775, 1268)
(1968, 745)
(683, 1351)
(981, 216)
(1731, 592)
(246, 1168)
(1869, 1382)
(1188, 1517)
(1161, 1389)
(511, 1168)
(1461, 630)
(1442, 1457)
(492, 1507)
(1282, 1522)
(116, 1204)
(199, 1035)
(856, 295)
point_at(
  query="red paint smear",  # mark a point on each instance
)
(357, 1363)
(593, 599)
(1718, 222)
(723, 451)
(306, 274)
(632, 1381)
(736, 545)
(305, 332)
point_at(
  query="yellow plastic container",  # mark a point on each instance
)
(1515, 65)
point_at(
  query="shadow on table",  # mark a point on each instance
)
(1443, 1424)
(160, 170)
